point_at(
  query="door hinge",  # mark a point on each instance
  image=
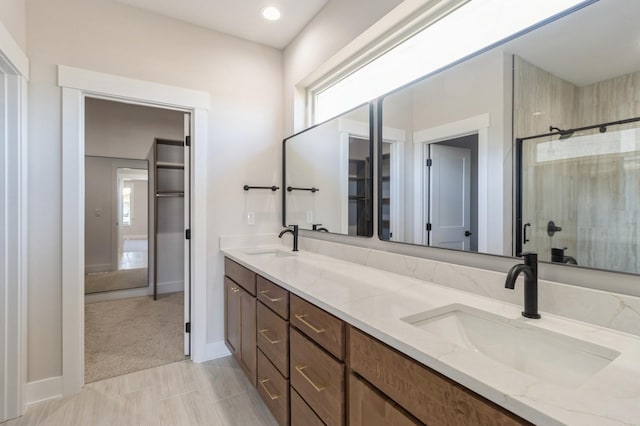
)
(187, 140)
(187, 234)
(428, 227)
(429, 162)
(187, 327)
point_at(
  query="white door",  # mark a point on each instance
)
(449, 197)
(187, 226)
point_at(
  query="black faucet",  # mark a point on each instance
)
(315, 226)
(294, 231)
(530, 271)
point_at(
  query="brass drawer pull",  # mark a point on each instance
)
(262, 383)
(264, 334)
(300, 369)
(301, 318)
(270, 299)
(235, 289)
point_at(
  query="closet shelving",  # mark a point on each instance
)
(172, 149)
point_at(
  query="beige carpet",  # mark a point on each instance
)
(115, 280)
(127, 335)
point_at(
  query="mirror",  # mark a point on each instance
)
(449, 173)
(116, 224)
(327, 179)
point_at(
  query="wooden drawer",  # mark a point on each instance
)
(273, 296)
(273, 338)
(429, 396)
(241, 275)
(318, 378)
(274, 390)
(322, 327)
(301, 413)
(367, 407)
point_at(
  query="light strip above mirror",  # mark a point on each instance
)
(469, 29)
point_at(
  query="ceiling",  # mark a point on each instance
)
(240, 18)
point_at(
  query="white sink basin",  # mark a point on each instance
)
(550, 356)
(269, 252)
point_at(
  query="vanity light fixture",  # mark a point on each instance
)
(270, 13)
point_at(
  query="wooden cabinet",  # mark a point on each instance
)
(322, 327)
(273, 389)
(427, 395)
(367, 407)
(273, 338)
(318, 378)
(240, 316)
(301, 413)
(274, 297)
(232, 315)
(294, 354)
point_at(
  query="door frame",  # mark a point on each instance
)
(479, 125)
(76, 85)
(14, 74)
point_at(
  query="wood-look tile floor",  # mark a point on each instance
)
(183, 393)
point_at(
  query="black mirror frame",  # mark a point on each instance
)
(371, 167)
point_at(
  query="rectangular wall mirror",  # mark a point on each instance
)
(327, 177)
(450, 176)
(116, 224)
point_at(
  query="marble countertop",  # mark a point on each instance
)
(374, 301)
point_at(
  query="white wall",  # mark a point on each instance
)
(14, 17)
(337, 24)
(245, 130)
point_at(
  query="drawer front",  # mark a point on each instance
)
(273, 296)
(368, 408)
(301, 413)
(318, 378)
(241, 275)
(274, 390)
(430, 397)
(322, 327)
(273, 338)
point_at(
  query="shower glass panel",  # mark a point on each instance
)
(579, 196)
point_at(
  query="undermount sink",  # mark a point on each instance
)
(269, 252)
(544, 354)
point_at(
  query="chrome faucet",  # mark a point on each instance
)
(530, 271)
(294, 231)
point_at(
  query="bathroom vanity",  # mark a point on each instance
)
(342, 343)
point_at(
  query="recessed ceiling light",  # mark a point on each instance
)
(270, 13)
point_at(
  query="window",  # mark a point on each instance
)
(469, 29)
(126, 206)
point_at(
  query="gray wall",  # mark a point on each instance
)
(243, 80)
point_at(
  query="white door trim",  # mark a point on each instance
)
(76, 85)
(477, 124)
(14, 73)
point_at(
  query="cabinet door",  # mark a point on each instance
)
(232, 316)
(368, 408)
(248, 334)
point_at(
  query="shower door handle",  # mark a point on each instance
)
(526, 240)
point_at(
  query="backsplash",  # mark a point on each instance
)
(610, 310)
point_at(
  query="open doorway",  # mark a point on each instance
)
(136, 255)
(452, 193)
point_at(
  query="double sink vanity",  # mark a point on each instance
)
(342, 343)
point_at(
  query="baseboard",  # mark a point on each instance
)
(171, 287)
(105, 296)
(92, 269)
(215, 350)
(44, 390)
